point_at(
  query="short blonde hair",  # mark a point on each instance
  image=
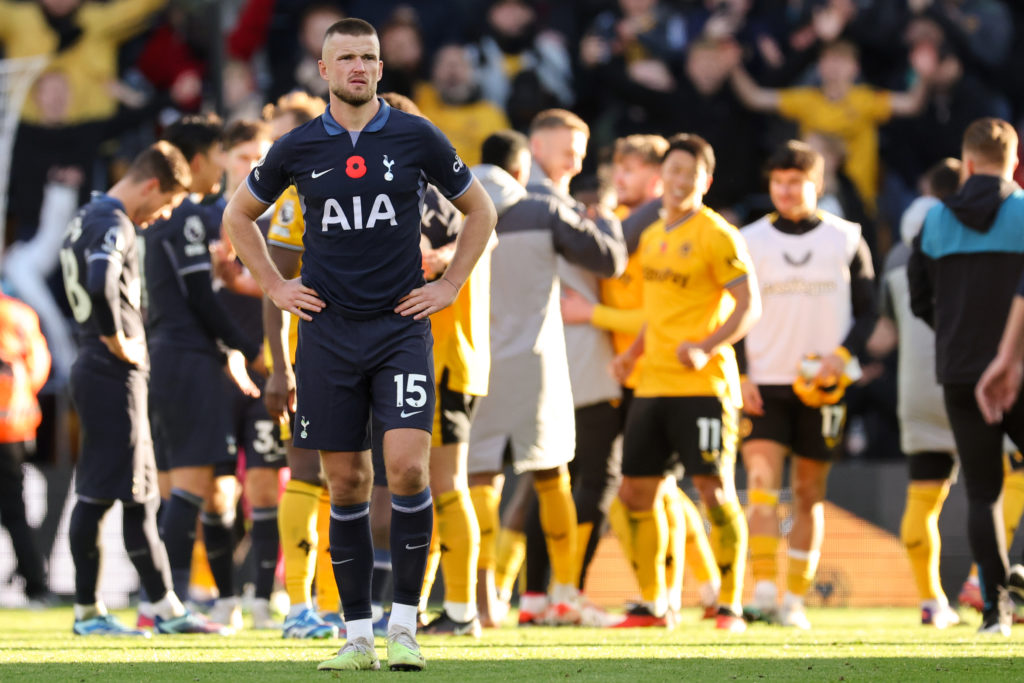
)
(650, 149)
(992, 139)
(299, 104)
(558, 118)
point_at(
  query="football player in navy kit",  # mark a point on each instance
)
(188, 329)
(100, 266)
(364, 339)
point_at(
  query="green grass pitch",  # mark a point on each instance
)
(845, 645)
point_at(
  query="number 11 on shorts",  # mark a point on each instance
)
(409, 389)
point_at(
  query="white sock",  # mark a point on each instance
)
(460, 611)
(360, 628)
(145, 609)
(168, 607)
(82, 612)
(297, 609)
(405, 616)
(534, 603)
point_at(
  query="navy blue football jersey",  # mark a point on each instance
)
(360, 193)
(173, 249)
(101, 244)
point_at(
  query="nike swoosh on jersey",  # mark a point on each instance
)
(415, 547)
(342, 561)
(314, 174)
(415, 412)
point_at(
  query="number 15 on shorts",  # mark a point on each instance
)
(410, 390)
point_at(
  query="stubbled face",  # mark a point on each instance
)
(351, 66)
(794, 193)
(684, 179)
(559, 151)
(635, 181)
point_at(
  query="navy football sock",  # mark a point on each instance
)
(265, 546)
(352, 558)
(145, 550)
(84, 533)
(381, 575)
(219, 538)
(412, 520)
(178, 529)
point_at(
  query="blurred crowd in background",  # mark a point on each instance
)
(882, 88)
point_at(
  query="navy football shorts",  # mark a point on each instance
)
(116, 458)
(191, 418)
(345, 367)
(253, 429)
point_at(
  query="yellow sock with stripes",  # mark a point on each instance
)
(919, 531)
(459, 545)
(763, 547)
(618, 518)
(510, 556)
(676, 532)
(558, 521)
(486, 501)
(729, 544)
(650, 541)
(699, 558)
(327, 598)
(803, 565)
(297, 522)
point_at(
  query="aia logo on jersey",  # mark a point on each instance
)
(355, 166)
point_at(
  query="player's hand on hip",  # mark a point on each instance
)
(129, 349)
(240, 375)
(752, 402)
(576, 310)
(998, 388)
(296, 298)
(428, 299)
(279, 394)
(692, 355)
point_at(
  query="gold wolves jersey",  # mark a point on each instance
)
(686, 270)
(286, 228)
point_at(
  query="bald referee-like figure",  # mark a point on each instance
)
(364, 339)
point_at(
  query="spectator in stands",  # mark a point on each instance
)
(401, 50)
(522, 69)
(452, 101)
(955, 98)
(81, 38)
(839, 106)
(315, 21)
(643, 43)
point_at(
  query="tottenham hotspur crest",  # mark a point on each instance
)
(305, 423)
(389, 176)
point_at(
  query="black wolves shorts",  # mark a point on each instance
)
(116, 458)
(697, 432)
(188, 406)
(814, 433)
(345, 367)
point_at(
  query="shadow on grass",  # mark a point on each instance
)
(554, 669)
